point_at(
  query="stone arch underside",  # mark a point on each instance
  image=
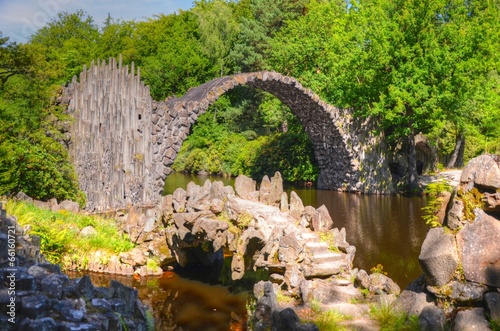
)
(123, 143)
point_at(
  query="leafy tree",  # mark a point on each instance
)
(70, 41)
(218, 29)
(170, 54)
(117, 38)
(32, 156)
(397, 61)
(265, 18)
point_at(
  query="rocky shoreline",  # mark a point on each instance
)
(36, 295)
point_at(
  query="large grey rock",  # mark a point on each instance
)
(287, 319)
(179, 200)
(471, 320)
(296, 207)
(483, 171)
(321, 220)
(380, 284)
(492, 305)
(245, 187)
(52, 285)
(438, 256)
(455, 216)
(88, 231)
(276, 189)
(432, 318)
(136, 257)
(414, 298)
(479, 244)
(69, 205)
(362, 279)
(265, 191)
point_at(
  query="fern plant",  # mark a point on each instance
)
(434, 192)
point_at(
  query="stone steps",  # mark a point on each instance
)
(316, 248)
(328, 257)
(325, 269)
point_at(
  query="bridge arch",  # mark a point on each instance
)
(325, 125)
(124, 143)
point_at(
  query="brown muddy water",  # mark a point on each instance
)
(386, 230)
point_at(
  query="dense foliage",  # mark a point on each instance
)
(418, 66)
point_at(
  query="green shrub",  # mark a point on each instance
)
(434, 192)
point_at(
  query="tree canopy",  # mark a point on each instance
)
(414, 66)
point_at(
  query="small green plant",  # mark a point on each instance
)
(329, 239)
(378, 269)
(471, 199)
(495, 325)
(283, 298)
(59, 233)
(150, 320)
(244, 219)
(434, 192)
(330, 320)
(315, 306)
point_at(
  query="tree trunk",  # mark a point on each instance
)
(413, 186)
(458, 153)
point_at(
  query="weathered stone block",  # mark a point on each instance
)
(479, 244)
(431, 318)
(244, 187)
(471, 320)
(492, 305)
(484, 171)
(438, 256)
(321, 220)
(296, 206)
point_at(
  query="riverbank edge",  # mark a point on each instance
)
(36, 294)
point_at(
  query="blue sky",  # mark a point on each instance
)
(21, 18)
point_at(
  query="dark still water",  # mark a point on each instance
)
(182, 304)
(386, 230)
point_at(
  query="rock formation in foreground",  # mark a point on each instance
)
(36, 295)
(461, 259)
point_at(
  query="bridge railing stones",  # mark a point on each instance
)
(124, 144)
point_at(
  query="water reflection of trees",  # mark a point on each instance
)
(385, 229)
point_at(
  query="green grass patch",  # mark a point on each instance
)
(329, 320)
(59, 231)
(389, 320)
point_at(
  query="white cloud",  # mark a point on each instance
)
(21, 18)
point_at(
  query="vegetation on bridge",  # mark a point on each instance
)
(416, 65)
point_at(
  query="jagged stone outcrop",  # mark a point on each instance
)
(36, 295)
(460, 260)
(308, 265)
(123, 143)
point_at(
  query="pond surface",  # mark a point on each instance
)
(386, 230)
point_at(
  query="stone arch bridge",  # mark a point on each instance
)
(123, 143)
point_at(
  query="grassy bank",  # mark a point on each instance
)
(59, 232)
